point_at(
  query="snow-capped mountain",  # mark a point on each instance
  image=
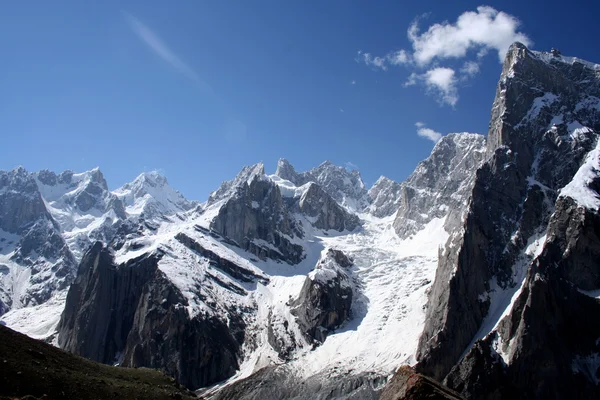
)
(345, 187)
(81, 204)
(481, 269)
(48, 222)
(35, 261)
(150, 196)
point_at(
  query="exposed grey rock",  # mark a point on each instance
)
(385, 196)
(278, 382)
(441, 184)
(345, 187)
(286, 171)
(86, 191)
(132, 314)
(219, 262)
(534, 148)
(328, 214)
(325, 299)
(257, 219)
(35, 241)
(21, 203)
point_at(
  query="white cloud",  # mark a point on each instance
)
(375, 62)
(470, 68)
(353, 82)
(394, 58)
(399, 57)
(485, 28)
(427, 133)
(412, 79)
(160, 48)
(480, 31)
(440, 81)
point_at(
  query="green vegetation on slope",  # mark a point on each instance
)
(31, 367)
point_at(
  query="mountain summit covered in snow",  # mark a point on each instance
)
(481, 270)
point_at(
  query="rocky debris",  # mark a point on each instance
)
(278, 382)
(327, 214)
(407, 384)
(542, 127)
(133, 315)
(441, 184)
(385, 197)
(325, 299)
(255, 213)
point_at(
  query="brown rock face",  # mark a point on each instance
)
(407, 384)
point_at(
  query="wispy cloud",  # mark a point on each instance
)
(427, 133)
(473, 35)
(351, 166)
(160, 48)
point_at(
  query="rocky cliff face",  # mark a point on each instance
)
(133, 315)
(502, 301)
(345, 187)
(325, 298)
(325, 212)
(35, 261)
(385, 197)
(257, 219)
(440, 184)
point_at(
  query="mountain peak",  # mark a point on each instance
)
(153, 178)
(286, 171)
(246, 176)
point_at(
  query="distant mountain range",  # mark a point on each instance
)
(481, 270)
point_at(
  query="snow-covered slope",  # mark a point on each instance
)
(82, 206)
(150, 194)
(240, 259)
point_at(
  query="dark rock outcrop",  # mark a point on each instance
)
(278, 382)
(541, 129)
(327, 214)
(406, 384)
(255, 213)
(35, 242)
(440, 184)
(133, 315)
(345, 187)
(325, 299)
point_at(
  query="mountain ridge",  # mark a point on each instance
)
(473, 261)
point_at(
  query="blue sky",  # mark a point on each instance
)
(198, 89)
